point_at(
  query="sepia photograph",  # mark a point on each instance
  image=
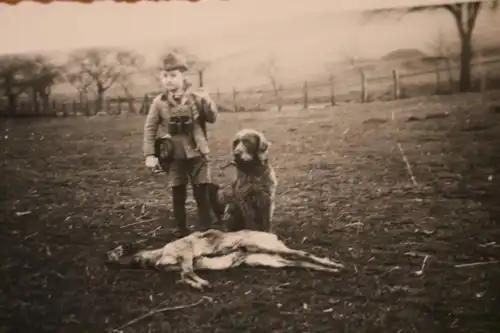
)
(250, 166)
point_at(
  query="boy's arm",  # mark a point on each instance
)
(208, 106)
(151, 129)
(210, 109)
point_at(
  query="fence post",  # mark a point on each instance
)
(235, 104)
(200, 78)
(438, 79)
(306, 96)
(397, 87)
(280, 98)
(450, 75)
(218, 95)
(332, 89)
(119, 105)
(144, 105)
(108, 108)
(483, 78)
(364, 87)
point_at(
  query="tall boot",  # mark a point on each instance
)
(179, 194)
(205, 212)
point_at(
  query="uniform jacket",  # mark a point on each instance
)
(194, 102)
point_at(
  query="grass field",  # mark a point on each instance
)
(70, 188)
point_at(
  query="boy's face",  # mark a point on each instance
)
(172, 80)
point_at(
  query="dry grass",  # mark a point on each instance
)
(68, 185)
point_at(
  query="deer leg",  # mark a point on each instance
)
(188, 275)
(274, 245)
(276, 261)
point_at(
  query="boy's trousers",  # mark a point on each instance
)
(197, 171)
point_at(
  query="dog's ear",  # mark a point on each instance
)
(262, 147)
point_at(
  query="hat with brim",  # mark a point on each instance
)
(173, 61)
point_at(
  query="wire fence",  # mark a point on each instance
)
(361, 86)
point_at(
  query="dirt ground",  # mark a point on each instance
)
(74, 188)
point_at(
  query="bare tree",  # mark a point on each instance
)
(103, 67)
(34, 74)
(44, 75)
(15, 71)
(271, 71)
(153, 74)
(443, 54)
(465, 15)
(82, 84)
(127, 85)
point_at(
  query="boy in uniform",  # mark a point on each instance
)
(183, 113)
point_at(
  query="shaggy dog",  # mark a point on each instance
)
(249, 202)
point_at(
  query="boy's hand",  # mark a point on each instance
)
(151, 161)
(203, 94)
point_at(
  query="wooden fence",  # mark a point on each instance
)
(361, 88)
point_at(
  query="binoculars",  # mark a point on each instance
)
(180, 125)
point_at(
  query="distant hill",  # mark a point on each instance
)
(490, 50)
(404, 55)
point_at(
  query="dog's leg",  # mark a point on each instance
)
(217, 199)
(233, 217)
(263, 213)
(245, 205)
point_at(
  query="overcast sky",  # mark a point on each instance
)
(31, 26)
(302, 35)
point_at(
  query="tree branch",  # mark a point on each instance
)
(456, 11)
(103, 67)
(110, 81)
(473, 11)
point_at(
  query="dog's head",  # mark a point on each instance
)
(250, 145)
